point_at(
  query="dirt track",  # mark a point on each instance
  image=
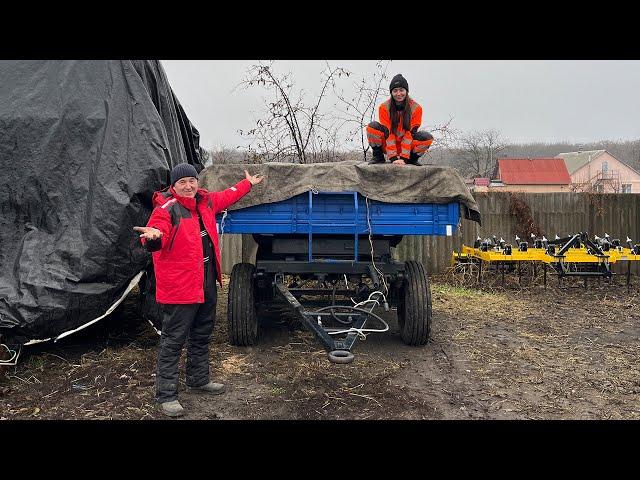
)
(570, 353)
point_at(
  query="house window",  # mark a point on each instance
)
(605, 167)
(600, 188)
(626, 188)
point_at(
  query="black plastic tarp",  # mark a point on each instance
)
(83, 145)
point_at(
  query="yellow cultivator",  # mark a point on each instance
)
(573, 256)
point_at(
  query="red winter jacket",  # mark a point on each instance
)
(177, 256)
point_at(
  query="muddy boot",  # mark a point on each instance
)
(210, 388)
(378, 156)
(413, 160)
(172, 409)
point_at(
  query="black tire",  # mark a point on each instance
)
(241, 308)
(265, 295)
(414, 305)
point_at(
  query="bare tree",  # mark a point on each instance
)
(288, 129)
(444, 138)
(355, 111)
(205, 156)
(478, 152)
(222, 154)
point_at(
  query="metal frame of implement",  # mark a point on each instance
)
(596, 256)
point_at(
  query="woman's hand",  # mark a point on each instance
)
(149, 233)
(254, 179)
(400, 162)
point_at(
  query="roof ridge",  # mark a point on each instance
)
(580, 152)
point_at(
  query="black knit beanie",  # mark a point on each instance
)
(399, 81)
(182, 170)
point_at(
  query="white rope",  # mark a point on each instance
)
(14, 356)
(360, 331)
(33, 342)
(159, 332)
(224, 215)
(132, 284)
(384, 282)
(369, 300)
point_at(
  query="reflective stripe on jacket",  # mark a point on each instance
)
(179, 262)
(398, 143)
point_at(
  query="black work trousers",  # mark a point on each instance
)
(192, 323)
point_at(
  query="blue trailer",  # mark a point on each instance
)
(340, 244)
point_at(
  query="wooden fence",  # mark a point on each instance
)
(552, 213)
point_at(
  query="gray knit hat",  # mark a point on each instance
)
(182, 170)
(399, 81)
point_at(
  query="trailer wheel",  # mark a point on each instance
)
(414, 305)
(241, 309)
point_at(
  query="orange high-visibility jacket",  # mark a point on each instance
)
(399, 142)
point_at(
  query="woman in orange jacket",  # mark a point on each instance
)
(396, 137)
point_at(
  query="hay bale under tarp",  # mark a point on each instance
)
(83, 146)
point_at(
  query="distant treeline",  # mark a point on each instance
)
(626, 151)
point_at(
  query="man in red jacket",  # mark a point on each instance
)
(182, 234)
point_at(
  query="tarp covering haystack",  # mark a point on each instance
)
(83, 145)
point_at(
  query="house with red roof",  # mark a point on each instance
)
(536, 175)
(478, 184)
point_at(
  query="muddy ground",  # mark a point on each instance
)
(519, 353)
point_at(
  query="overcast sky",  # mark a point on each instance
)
(527, 101)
